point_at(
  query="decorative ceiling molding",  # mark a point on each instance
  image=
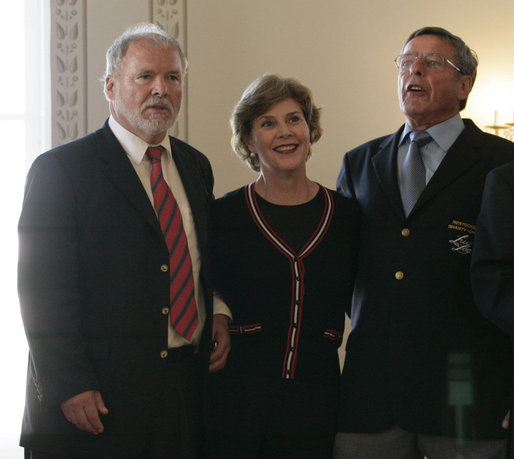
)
(69, 64)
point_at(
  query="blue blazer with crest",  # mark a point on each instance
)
(420, 356)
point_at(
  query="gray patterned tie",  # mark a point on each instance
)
(412, 180)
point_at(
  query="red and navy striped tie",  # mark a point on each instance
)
(183, 311)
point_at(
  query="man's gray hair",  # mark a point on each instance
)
(143, 31)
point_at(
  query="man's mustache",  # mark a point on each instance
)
(158, 101)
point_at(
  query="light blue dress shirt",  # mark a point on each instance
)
(443, 134)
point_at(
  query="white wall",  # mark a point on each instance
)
(105, 19)
(342, 50)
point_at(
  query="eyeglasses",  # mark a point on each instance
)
(432, 61)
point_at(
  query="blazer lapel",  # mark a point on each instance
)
(121, 173)
(462, 155)
(386, 170)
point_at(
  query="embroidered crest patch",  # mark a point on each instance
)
(462, 244)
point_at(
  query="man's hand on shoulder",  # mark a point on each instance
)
(83, 411)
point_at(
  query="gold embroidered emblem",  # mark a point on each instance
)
(462, 226)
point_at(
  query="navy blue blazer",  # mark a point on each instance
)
(420, 355)
(493, 256)
(92, 289)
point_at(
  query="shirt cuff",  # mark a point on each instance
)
(220, 307)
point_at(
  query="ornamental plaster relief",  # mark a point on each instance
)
(69, 67)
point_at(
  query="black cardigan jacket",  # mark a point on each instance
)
(288, 308)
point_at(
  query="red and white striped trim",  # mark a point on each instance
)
(333, 334)
(250, 329)
(297, 269)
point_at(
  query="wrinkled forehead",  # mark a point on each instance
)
(146, 54)
(424, 44)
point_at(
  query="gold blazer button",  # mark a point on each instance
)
(405, 232)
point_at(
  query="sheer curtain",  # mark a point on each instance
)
(24, 133)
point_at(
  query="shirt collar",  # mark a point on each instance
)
(444, 134)
(134, 146)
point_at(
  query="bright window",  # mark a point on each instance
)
(24, 133)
